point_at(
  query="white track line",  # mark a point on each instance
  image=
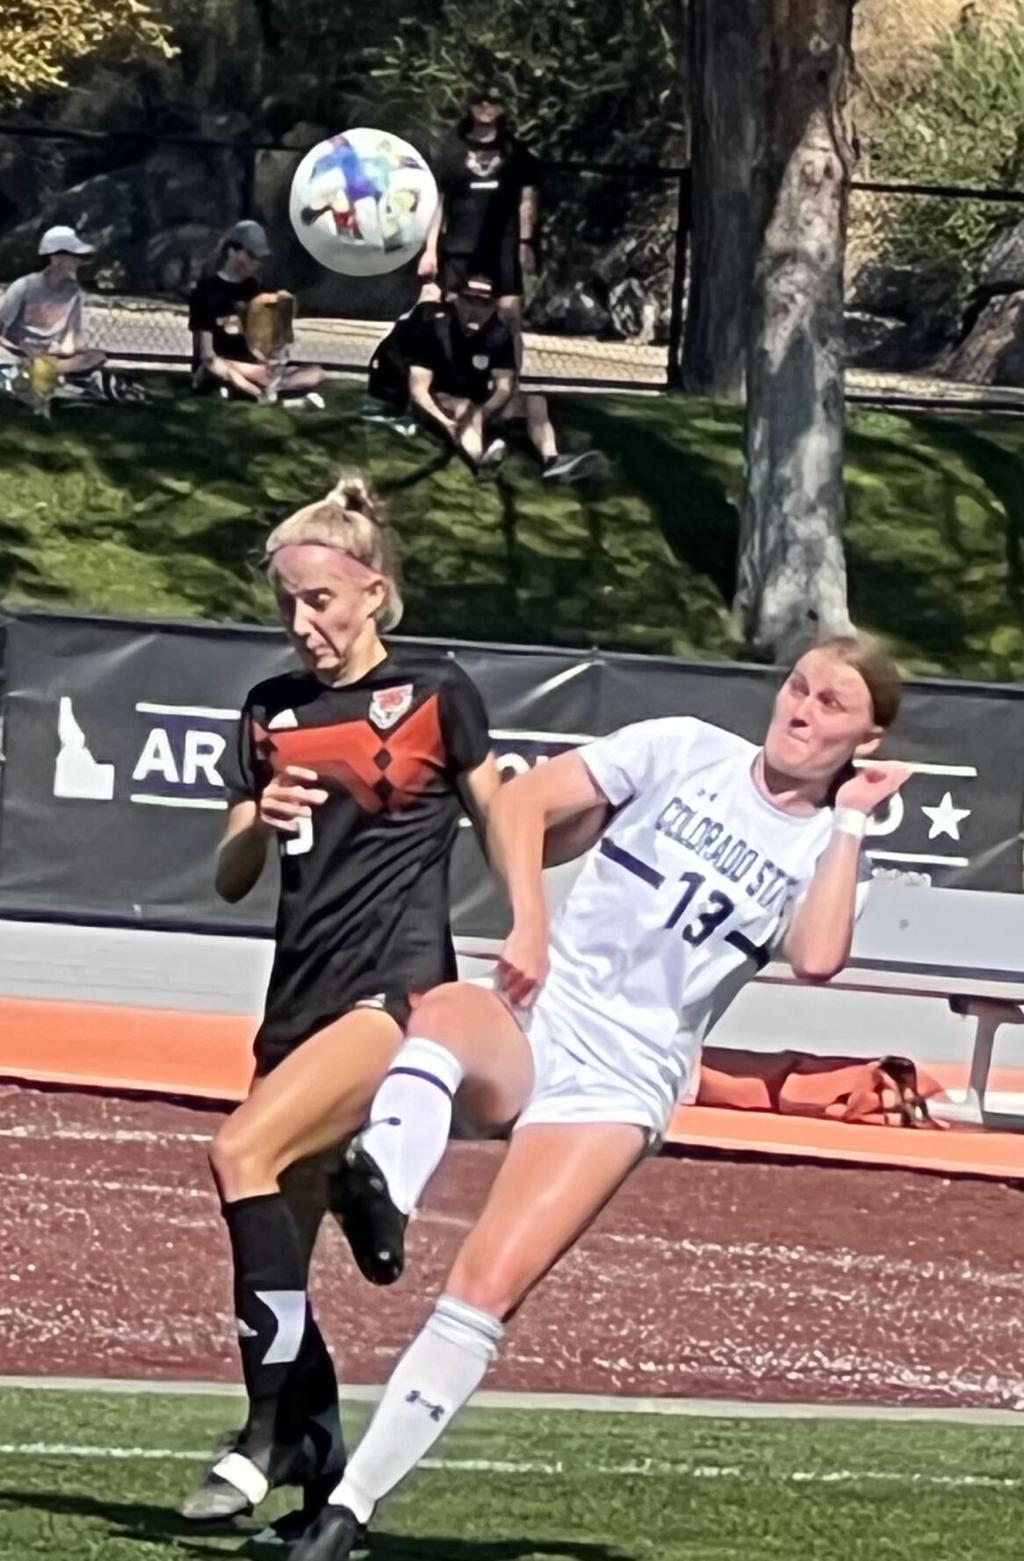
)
(600, 1403)
(645, 1468)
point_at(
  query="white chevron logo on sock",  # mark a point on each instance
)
(244, 1331)
(289, 1309)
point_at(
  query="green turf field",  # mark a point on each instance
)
(95, 1477)
(161, 508)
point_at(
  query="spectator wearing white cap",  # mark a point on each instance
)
(43, 313)
(220, 352)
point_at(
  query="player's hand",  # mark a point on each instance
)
(289, 798)
(873, 785)
(427, 268)
(523, 964)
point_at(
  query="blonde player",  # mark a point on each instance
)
(714, 852)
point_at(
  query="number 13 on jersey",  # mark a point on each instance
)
(719, 909)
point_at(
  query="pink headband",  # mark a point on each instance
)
(353, 566)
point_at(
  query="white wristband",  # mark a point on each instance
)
(849, 821)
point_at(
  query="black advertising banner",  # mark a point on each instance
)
(114, 732)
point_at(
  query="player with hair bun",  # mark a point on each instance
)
(358, 766)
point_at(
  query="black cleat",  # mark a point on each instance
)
(287, 1530)
(374, 1228)
(332, 1537)
(280, 1535)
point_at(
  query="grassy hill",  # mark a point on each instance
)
(161, 509)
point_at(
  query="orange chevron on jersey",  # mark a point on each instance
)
(382, 772)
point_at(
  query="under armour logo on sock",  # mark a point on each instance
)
(435, 1411)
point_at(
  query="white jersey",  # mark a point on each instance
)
(676, 907)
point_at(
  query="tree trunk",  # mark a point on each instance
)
(792, 574)
(726, 47)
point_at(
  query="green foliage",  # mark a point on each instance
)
(586, 77)
(960, 122)
(161, 509)
(41, 39)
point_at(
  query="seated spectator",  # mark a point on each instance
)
(221, 354)
(452, 363)
(42, 314)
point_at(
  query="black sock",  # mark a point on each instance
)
(309, 1403)
(270, 1305)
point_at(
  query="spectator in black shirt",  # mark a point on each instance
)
(487, 217)
(452, 362)
(220, 352)
(462, 369)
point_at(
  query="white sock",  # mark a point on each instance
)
(411, 1117)
(439, 1372)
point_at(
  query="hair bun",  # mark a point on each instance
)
(351, 493)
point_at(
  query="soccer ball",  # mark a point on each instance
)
(362, 202)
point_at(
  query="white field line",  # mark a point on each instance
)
(600, 1403)
(645, 1468)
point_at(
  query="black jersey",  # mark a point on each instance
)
(363, 909)
(218, 305)
(481, 184)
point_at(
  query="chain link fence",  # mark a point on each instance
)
(604, 307)
(935, 277)
(935, 293)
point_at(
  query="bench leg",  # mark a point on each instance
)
(981, 1060)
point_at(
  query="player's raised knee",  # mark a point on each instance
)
(454, 1012)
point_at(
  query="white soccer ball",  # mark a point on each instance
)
(362, 202)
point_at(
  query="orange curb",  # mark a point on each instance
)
(209, 1056)
(106, 1045)
(979, 1152)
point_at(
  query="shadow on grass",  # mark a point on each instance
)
(398, 1547)
(673, 465)
(1000, 470)
(149, 1524)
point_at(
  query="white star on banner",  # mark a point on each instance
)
(945, 819)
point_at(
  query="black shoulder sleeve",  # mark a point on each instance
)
(240, 766)
(464, 721)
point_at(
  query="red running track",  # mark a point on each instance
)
(707, 1277)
